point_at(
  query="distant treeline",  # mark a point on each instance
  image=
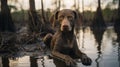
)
(108, 14)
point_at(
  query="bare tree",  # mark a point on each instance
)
(54, 2)
(119, 3)
(43, 12)
(119, 8)
(99, 3)
(98, 20)
(78, 6)
(34, 24)
(6, 23)
(57, 4)
(46, 27)
(117, 21)
(83, 8)
(75, 7)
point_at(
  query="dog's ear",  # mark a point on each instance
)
(78, 20)
(56, 15)
(75, 15)
(53, 19)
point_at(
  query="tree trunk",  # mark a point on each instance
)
(119, 9)
(46, 27)
(5, 62)
(43, 14)
(119, 4)
(75, 4)
(83, 17)
(99, 3)
(78, 6)
(6, 23)
(83, 7)
(117, 23)
(33, 24)
(56, 3)
(32, 5)
(59, 4)
(0, 22)
(98, 21)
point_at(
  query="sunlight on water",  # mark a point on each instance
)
(106, 54)
(20, 62)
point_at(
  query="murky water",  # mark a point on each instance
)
(100, 46)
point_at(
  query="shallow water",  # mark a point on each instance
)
(102, 48)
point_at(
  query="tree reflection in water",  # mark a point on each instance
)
(117, 31)
(5, 62)
(98, 35)
(106, 56)
(33, 62)
(43, 62)
(118, 50)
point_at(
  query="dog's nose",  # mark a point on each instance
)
(65, 26)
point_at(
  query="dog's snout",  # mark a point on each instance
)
(65, 26)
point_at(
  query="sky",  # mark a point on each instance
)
(88, 4)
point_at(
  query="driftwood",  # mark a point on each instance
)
(24, 44)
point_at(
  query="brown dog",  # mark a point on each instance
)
(63, 45)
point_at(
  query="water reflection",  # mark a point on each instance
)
(98, 34)
(100, 47)
(5, 62)
(43, 61)
(33, 62)
(117, 30)
(119, 53)
(83, 36)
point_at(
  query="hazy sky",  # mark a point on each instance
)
(89, 4)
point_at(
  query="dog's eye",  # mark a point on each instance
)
(61, 17)
(70, 17)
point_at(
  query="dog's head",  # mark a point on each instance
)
(65, 20)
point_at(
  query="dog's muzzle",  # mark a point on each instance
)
(65, 25)
(65, 28)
